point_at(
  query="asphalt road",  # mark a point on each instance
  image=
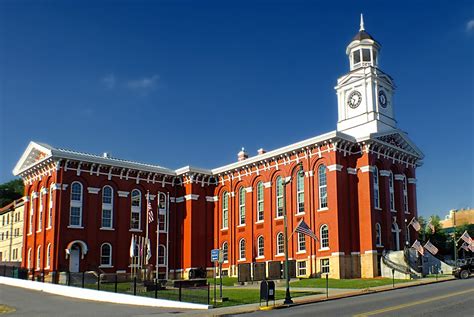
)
(453, 298)
(30, 303)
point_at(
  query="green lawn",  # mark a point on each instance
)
(226, 281)
(345, 283)
(249, 296)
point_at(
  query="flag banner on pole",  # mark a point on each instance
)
(148, 250)
(415, 224)
(431, 226)
(431, 248)
(465, 236)
(132, 246)
(418, 247)
(465, 246)
(304, 229)
(149, 209)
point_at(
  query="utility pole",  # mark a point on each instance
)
(455, 243)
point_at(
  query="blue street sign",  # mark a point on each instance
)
(214, 255)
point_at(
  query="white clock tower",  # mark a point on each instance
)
(365, 93)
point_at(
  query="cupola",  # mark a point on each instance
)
(363, 49)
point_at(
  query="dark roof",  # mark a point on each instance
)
(362, 35)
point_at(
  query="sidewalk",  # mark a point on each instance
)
(334, 293)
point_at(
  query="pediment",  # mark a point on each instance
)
(398, 140)
(34, 153)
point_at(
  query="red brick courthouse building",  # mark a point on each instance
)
(357, 192)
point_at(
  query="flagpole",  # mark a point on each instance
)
(147, 223)
(157, 234)
(295, 229)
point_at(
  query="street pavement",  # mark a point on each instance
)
(452, 298)
(29, 303)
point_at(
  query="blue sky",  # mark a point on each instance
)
(180, 83)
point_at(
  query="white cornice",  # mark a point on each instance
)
(191, 197)
(367, 168)
(352, 171)
(93, 190)
(122, 193)
(335, 167)
(212, 198)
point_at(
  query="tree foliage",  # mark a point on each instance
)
(11, 191)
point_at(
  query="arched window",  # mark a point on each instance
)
(260, 245)
(225, 252)
(75, 215)
(242, 249)
(322, 181)
(48, 256)
(29, 264)
(391, 191)
(300, 193)
(32, 215)
(280, 244)
(301, 242)
(225, 210)
(40, 212)
(161, 255)
(38, 258)
(135, 218)
(405, 194)
(378, 234)
(106, 254)
(324, 236)
(162, 214)
(260, 203)
(375, 179)
(279, 197)
(107, 207)
(242, 206)
(50, 207)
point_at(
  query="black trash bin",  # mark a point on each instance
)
(267, 291)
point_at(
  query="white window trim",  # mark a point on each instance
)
(225, 210)
(240, 250)
(300, 214)
(259, 222)
(260, 201)
(110, 256)
(77, 204)
(136, 210)
(50, 208)
(324, 249)
(107, 206)
(320, 187)
(298, 192)
(277, 197)
(75, 227)
(242, 206)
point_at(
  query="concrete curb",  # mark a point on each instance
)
(99, 296)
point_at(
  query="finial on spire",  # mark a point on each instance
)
(361, 22)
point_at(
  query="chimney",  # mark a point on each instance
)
(242, 155)
(261, 151)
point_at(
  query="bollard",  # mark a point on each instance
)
(83, 278)
(116, 280)
(43, 276)
(135, 285)
(4, 270)
(327, 285)
(393, 278)
(209, 294)
(32, 274)
(68, 278)
(156, 288)
(13, 271)
(98, 281)
(179, 293)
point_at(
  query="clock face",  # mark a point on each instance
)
(382, 99)
(354, 100)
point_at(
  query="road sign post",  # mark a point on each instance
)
(215, 259)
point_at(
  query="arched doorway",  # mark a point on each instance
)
(76, 250)
(396, 236)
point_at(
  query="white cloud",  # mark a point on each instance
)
(470, 25)
(144, 84)
(109, 81)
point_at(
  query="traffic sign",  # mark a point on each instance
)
(214, 255)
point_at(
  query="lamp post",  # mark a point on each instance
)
(287, 181)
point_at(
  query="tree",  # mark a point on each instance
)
(11, 191)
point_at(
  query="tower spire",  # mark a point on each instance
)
(361, 22)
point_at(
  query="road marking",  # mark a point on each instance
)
(392, 308)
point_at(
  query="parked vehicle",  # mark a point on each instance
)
(463, 271)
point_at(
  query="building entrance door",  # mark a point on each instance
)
(74, 257)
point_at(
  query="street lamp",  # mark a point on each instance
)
(287, 181)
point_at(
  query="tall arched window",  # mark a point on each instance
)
(260, 246)
(324, 236)
(106, 254)
(40, 212)
(279, 197)
(242, 206)
(301, 242)
(225, 251)
(391, 191)
(29, 263)
(300, 192)
(242, 249)
(135, 212)
(260, 202)
(280, 244)
(38, 258)
(225, 210)
(32, 215)
(161, 255)
(378, 234)
(50, 207)
(375, 178)
(75, 215)
(107, 207)
(405, 194)
(322, 182)
(48, 256)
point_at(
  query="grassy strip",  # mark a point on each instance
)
(226, 281)
(345, 283)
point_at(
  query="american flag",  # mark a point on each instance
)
(149, 209)
(303, 228)
(431, 226)
(465, 246)
(430, 247)
(466, 237)
(418, 247)
(416, 225)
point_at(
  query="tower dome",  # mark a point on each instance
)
(363, 49)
